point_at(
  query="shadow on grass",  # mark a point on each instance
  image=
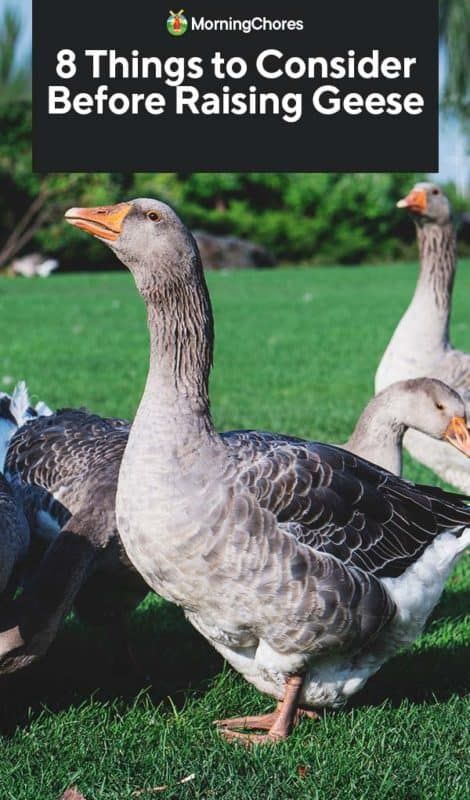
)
(83, 663)
(453, 604)
(172, 659)
(431, 674)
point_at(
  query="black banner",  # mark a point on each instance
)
(235, 86)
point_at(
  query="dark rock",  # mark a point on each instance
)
(229, 252)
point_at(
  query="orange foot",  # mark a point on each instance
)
(277, 727)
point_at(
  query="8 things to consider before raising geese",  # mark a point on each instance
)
(271, 64)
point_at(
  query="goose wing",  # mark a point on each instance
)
(14, 535)
(342, 505)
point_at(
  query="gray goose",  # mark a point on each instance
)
(305, 566)
(420, 345)
(68, 463)
(420, 404)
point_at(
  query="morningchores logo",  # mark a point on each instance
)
(251, 25)
(177, 24)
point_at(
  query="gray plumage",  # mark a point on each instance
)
(420, 345)
(67, 465)
(295, 558)
(14, 537)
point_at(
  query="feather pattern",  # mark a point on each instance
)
(343, 505)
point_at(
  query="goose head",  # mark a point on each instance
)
(427, 203)
(430, 406)
(146, 235)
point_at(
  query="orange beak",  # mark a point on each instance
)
(105, 222)
(415, 201)
(458, 434)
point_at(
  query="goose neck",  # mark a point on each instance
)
(437, 269)
(181, 343)
(379, 431)
(423, 331)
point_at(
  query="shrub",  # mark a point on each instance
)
(310, 218)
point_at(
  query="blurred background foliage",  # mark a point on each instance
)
(455, 34)
(300, 218)
(15, 73)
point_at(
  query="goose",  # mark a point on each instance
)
(305, 566)
(420, 345)
(69, 464)
(421, 404)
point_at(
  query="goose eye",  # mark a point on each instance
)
(439, 406)
(435, 191)
(154, 216)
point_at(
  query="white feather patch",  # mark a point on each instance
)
(43, 410)
(417, 590)
(20, 403)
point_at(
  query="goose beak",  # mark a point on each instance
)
(104, 222)
(414, 201)
(458, 434)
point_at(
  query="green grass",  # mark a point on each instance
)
(296, 352)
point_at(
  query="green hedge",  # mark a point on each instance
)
(310, 218)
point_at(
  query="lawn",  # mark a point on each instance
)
(296, 352)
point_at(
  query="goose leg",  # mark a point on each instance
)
(29, 623)
(278, 723)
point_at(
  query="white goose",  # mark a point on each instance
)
(420, 345)
(304, 565)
